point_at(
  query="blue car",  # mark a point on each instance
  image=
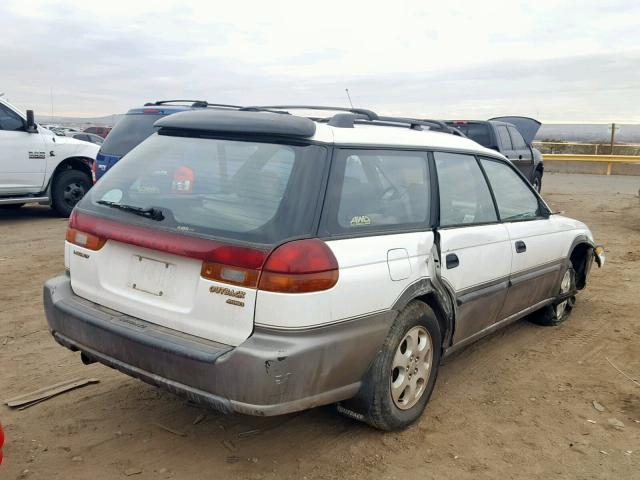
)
(137, 125)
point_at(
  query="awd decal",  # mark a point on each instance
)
(37, 155)
(360, 220)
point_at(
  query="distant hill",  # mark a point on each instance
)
(569, 132)
(596, 133)
(108, 121)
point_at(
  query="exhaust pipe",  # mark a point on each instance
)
(86, 359)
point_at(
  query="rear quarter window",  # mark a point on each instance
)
(377, 190)
(129, 132)
(478, 132)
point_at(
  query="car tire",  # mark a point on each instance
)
(69, 186)
(558, 312)
(402, 376)
(536, 181)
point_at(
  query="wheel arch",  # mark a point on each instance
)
(428, 292)
(580, 257)
(444, 321)
(82, 164)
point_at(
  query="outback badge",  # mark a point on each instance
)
(229, 292)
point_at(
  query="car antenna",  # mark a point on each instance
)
(349, 97)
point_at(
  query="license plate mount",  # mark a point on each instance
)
(150, 276)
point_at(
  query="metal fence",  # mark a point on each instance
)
(578, 148)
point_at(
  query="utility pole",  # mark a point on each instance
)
(613, 136)
(51, 97)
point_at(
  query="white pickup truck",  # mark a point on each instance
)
(38, 166)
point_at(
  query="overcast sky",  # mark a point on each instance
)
(554, 60)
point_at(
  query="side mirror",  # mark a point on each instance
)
(31, 123)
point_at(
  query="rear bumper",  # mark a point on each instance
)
(273, 372)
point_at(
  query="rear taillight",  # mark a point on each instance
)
(93, 170)
(84, 239)
(301, 266)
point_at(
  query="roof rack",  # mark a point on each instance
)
(194, 103)
(357, 111)
(348, 117)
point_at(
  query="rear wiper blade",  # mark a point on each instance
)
(150, 212)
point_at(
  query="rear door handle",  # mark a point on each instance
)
(521, 246)
(452, 261)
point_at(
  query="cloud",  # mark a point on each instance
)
(560, 61)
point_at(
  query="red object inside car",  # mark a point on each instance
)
(182, 180)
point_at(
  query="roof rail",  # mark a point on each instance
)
(194, 103)
(417, 122)
(358, 111)
(348, 117)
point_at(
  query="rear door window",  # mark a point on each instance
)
(377, 190)
(516, 138)
(513, 195)
(465, 198)
(505, 139)
(242, 190)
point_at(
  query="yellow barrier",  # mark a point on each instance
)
(609, 159)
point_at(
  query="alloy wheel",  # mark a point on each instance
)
(411, 368)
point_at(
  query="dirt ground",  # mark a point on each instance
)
(517, 404)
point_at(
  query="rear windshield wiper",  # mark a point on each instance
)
(151, 212)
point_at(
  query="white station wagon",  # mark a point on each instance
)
(262, 262)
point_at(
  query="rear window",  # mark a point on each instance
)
(242, 190)
(128, 133)
(478, 132)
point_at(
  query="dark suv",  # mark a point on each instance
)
(511, 136)
(136, 126)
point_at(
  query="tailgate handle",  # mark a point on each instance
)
(452, 261)
(521, 246)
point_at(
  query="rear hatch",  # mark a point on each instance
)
(528, 127)
(177, 233)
